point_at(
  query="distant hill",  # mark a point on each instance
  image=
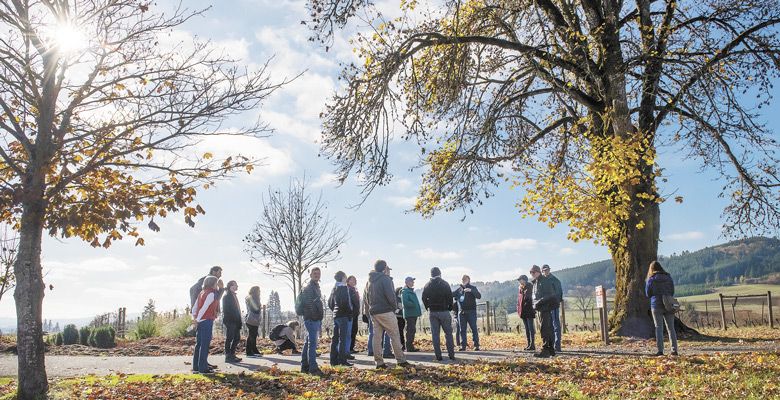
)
(750, 260)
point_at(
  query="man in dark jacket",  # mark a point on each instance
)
(382, 304)
(466, 295)
(544, 300)
(312, 311)
(556, 312)
(231, 318)
(198, 286)
(437, 299)
(340, 303)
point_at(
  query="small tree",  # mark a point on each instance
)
(583, 299)
(274, 308)
(293, 234)
(9, 241)
(149, 312)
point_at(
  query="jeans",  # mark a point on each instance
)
(354, 333)
(401, 326)
(309, 354)
(232, 337)
(339, 343)
(286, 345)
(468, 319)
(530, 331)
(386, 346)
(660, 316)
(456, 323)
(556, 322)
(387, 322)
(441, 320)
(411, 331)
(202, 342)
(251, 340)
(548, 336)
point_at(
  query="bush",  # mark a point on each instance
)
(84, 333)
(70, 335)
(178, 327)
(58, 340)
(102, 337)
(145, 328)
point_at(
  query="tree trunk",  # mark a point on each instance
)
(28, 294)
(630, 315)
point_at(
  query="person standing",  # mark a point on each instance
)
(437, 299)
(215, 271)
(204, 312)
(544, 300)
(252, 321)
(340, 303)
(355, 298)
(411, 311)
(387, 352)
(399, 316)
(231, 318)
(467, 296)
(312, 311)
(659, 284)
(556, 312)
(525, 311)
(382, 306)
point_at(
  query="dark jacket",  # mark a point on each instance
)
(525, 307)
(544, 297)
(339, 301)
(437, 295)
(410, 302)
(197, 287)
(469, 302)
(231, 310)
(311, 299)
(657, 286)
(381, 294)
(557, 285)
(354, 297)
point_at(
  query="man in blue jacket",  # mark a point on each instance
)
(466, 295)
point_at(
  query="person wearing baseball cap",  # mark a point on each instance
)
(556, 312)
(525, 311)
(382, 305)
(544, 301)
(437, 299)
(411, 311)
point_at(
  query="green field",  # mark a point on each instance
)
(736, 290)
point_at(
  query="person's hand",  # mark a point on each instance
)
(467, 290)
(220, 284)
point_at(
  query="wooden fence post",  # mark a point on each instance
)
(722, 311)
(563, 317)
(769, 301)
(487, 315)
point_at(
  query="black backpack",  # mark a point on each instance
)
(274, 335)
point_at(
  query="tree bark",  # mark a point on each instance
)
(33, 383)
(630, 316)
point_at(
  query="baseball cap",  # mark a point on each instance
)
(522, 278)
(408, 278)
(545, 267)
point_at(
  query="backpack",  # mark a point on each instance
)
(274, 335)
(299, 305)
(670, 303)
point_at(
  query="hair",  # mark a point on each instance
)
(214, 269)
(466, 277)
(231, 283)
(351, 277)
(210, 282)
(398, 290)
(311, 271)
(655, 267)
(293, 324)
(254, 292)
(435, 271)
(380, 265)
(339, 276)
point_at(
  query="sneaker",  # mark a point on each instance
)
(347, 364)
(462, 349)
(353, 351)
(437, 358)
(295, 352)
(406, 364)
(558, 349)
(452, 358)
(476, 348)
(280, 351)
(350, 357)
(304, 370)
(674, 353)
(659, 354)
(206, 372)
(545, 353)
(532, 348)
(317, 372)
(212, 366)
(415, 350)
(381, 366)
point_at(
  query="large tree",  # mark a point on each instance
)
(569, 101)
(98, 132)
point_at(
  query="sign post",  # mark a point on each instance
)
(601, 303)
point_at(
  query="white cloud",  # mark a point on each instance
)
(325, 179)
(399, 245)
(431, 254)
(402, 184)
(568, 251)
(91, 265)
(473, 229)
(511, 244)
(363, 253)
(402, 201)
(275, 162)
(692, 235)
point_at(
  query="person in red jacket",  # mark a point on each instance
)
(525, 310)
(204, 312)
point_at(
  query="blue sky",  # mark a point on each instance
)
(492, 244)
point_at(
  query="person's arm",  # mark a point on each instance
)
(672, 283)
(649, 288)
(206, 304)
(389, 292)
(475, 292)
(425, 295)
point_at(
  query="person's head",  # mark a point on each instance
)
(340, 276)
(254, 291)
(216, 271)
(352, 281)
(435, 271)
(315, 274)
(232, 286)
(210, 282)
(546, 270)
(409, 282)
(535, 272)
(398, 290)
(381, 266)
(655, 267)
(523, 280)
(466, 279)
(293, 324)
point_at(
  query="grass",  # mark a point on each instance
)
(736, 290)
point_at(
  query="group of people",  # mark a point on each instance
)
(391, 314)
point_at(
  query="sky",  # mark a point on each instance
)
(494, 243)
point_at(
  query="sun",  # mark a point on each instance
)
(68, 39)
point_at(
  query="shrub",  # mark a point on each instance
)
(70, 335)
(102, 337)
(58, 340)
(84, 333)
(145, 329)
(177, 328)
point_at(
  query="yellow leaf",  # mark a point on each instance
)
(208, 156)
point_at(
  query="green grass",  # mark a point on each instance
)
(736, 290)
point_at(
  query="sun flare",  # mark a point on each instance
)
(67, 38)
